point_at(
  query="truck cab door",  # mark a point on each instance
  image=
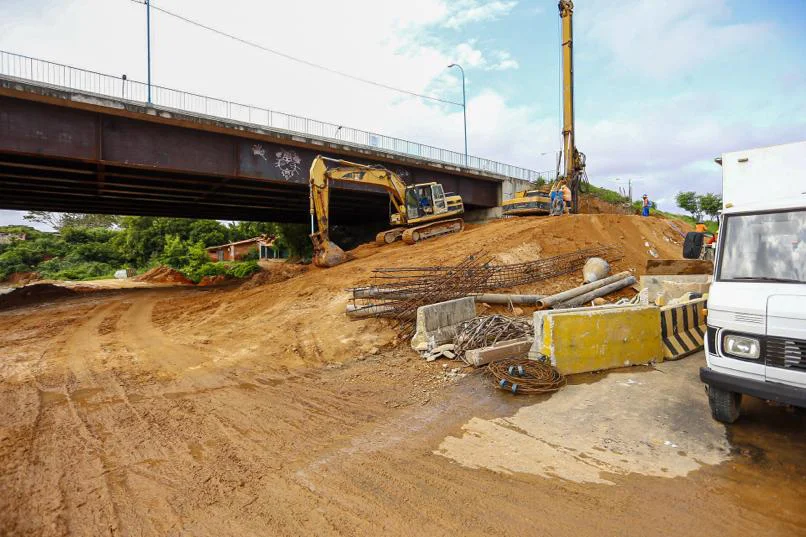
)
(438, 195)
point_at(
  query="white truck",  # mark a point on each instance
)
(756, 338)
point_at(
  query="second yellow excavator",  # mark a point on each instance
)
(420, 212)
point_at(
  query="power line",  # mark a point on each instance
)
(293, 58)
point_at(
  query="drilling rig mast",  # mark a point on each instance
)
(573, 161)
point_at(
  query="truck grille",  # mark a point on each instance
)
(749, 318)
(788, 353)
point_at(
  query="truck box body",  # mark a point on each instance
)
(756, 339)
(773, 173)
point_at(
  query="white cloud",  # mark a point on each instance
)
(504, 61)
(464, 12)
(667, 142)
(661, 39)
(668, 145)
(469, 56)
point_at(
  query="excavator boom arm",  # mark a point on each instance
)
(326, 253)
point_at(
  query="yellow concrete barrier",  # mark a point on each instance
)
(682, 328)
(591, 339)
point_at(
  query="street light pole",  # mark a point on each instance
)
(464, 103)
(148, 45)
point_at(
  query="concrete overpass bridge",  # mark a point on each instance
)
(72, 140)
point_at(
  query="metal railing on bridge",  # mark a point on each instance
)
(64, 76)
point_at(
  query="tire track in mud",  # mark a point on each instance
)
(90, 441)
(62, 445)
(189, 416)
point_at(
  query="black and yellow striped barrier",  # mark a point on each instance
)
(682, 328)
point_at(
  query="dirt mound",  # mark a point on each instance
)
(164, 275)
(34, 294)
(274, 273)
(592, 205)
(218, 279)
(299, 319)
(22, 278)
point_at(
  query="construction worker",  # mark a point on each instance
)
(645, 209)
(425, 202)
(567, 197)
(552, 195)
(700, 227)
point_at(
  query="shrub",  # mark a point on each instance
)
(237, 269)
(252, 255)
(244, 269)
(59, 270)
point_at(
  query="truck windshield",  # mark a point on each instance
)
(764, 247)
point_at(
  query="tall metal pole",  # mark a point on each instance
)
(464, 103)
(148, 45)
(574, 160)
(566, 9)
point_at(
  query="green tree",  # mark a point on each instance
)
(539, 183)
(239, 231)
(65, 220)
(689, 201)
(196, 257)
(711, 204)
(296, 239)
(208, 232)
(174, 252)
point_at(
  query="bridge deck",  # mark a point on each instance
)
(63, 150)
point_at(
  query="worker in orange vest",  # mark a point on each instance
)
(567, 197)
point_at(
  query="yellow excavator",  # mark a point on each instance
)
(528, 203)
(572, 174)
(420, 212)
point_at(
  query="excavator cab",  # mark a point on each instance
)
(425, 200)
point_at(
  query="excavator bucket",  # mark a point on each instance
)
(326, 253)
(330, 256)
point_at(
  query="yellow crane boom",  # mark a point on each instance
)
(573, 169)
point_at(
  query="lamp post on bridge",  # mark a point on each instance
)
(556, 162)
(148, 45)
(464, 103)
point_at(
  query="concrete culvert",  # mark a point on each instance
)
(595, 269)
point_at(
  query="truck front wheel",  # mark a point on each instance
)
(725, 405)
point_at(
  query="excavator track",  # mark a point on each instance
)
(389, 236)
(426, 231)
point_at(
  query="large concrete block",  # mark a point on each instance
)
(675, 285)
(591, 339)
(437, 323)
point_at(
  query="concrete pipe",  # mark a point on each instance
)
(550, 301)
(596, 293)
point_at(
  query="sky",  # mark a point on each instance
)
(661, 88)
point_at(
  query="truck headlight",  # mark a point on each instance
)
(741, 346)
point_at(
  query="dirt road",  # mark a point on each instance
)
(114, 423)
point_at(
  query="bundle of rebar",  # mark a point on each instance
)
(487, 330)
(526, 376)
(506, 276)
(398, 292)
(432, 288)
